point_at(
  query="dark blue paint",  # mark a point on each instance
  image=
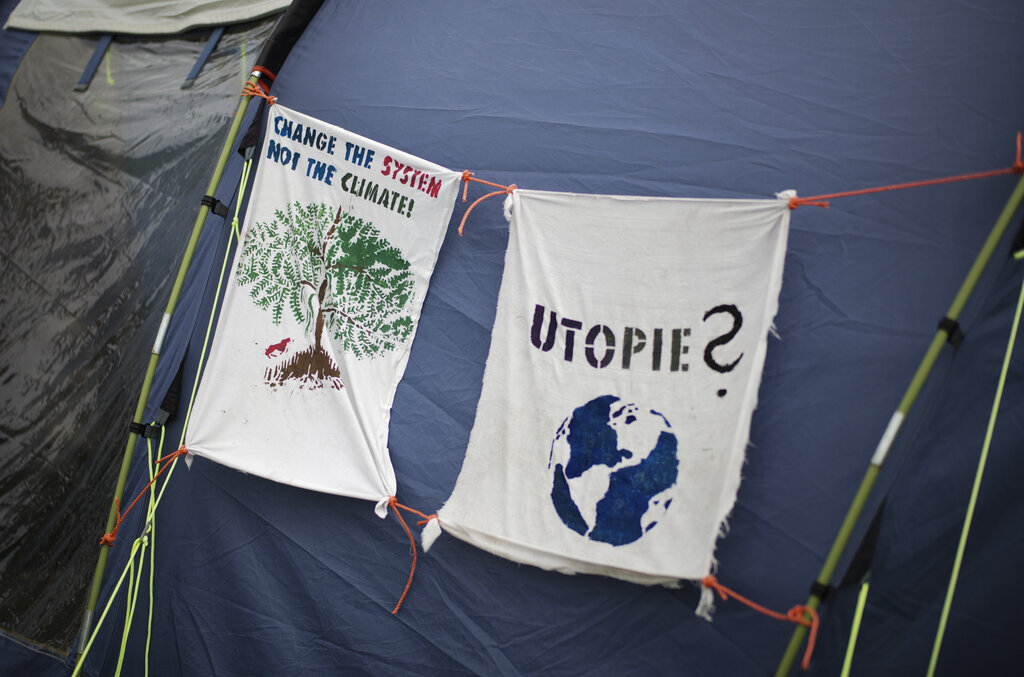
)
(591, 440)
(630, 490)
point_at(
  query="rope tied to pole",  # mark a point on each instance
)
(109, 538)
(467, 176)
(798, 614)
(398, 507)
(823, 200)
(252, 90)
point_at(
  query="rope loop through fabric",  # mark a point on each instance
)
(398, 508)
(467, 176)
(109, 538)
(801, 614)
(823, 200)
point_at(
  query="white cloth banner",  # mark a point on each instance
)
(337, 249)
(623, 371)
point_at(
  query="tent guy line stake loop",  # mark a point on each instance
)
(823, 200)
(924, 369)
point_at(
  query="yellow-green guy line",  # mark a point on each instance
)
(976, 489)
(148, 536)
(154, 358)
(867, 483)
(858, 615)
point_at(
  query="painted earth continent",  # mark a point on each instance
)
(613, 465)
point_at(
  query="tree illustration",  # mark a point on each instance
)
(335, 275)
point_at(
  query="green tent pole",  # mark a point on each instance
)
(910, 396)
(147, 383)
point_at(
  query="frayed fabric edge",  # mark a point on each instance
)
(706, 603)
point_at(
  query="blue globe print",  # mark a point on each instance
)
(613, 464)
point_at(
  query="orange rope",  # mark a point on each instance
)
(250, 90)
(393, 503)
(467, 176)
(265, 71)
(794, 615)
(822, 200)
(108, 539)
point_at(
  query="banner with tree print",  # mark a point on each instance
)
(623, 371)
(319, 313)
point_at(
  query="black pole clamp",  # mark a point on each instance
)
(215, 205)
(821, 591)
(143, 430)
(954, 335)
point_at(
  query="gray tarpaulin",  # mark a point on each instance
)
(161, 17)
(97, 190)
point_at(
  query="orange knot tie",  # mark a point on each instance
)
(467, 176)
(398, 508)
(795, 615)
(797, 201)
(109, 538)
(252, 90)
(427, 519)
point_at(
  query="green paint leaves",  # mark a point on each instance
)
(332, 272)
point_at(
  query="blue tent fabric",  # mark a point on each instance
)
(12, 49)
(19, 656)
(673, 99)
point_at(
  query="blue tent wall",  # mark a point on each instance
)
(676, 99)
(12, 49)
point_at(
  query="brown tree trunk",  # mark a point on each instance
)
(320, 314)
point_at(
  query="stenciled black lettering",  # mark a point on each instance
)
(609, 342)
(538, 327)
(737, 322)
(633, 341)
(678, 350)
(656, 351)
(570, 336)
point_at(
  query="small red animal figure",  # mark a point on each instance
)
(277, 348)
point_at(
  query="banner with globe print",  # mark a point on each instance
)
(623, 371)
(337, 249)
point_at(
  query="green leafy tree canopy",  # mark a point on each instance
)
(331, 272)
